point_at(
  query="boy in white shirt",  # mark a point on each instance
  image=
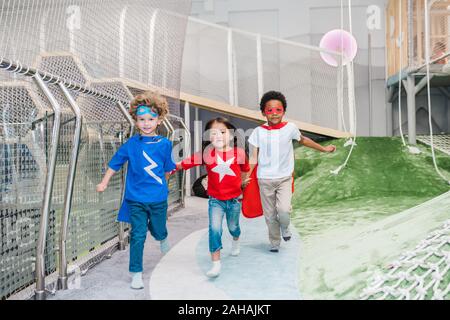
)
(272, 149)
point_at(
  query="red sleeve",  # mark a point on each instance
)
(192, 161)
(243, 161)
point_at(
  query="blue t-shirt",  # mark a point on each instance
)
(149, 158)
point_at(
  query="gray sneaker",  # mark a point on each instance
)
(274, 248)
(286, 234)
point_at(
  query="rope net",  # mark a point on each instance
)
(420, 274)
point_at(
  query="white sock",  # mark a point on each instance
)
(215, 270)
(235, 250)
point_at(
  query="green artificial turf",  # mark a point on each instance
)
(380, 179)
(354, 224)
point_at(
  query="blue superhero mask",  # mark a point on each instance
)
(143, 109)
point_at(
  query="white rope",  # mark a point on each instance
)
(341, 73)
(351, 94)
(403, 281)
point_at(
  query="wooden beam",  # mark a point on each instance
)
(255, 115)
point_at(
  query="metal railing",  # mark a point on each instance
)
(81, 99)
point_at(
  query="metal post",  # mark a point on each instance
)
(40, 293)
(170, 129)
(369, 65)
(351, 94)
(127, 116)
(122, 41)
(235, 79)
(197, 140)
(187, 146)
(230, 67)
(187, 119)
(259, 66)
(62, 279)
(151, 45)
(411, 101)
(340, 97)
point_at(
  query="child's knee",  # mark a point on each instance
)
(158, 231)
(215, 228)
(215, 223)
(233, 225)
(234, 230)
(159, 236)
(284, 209)
(271, 218)
(138, 236)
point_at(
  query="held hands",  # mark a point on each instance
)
(101, 187)
(246, 181)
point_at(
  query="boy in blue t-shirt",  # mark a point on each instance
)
(149, 159)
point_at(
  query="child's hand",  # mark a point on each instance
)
(330, 148)
(101, 187)
(246, 181)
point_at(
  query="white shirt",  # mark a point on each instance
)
(276, 152)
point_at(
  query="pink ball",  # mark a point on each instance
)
(340, 41)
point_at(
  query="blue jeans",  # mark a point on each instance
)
(216, 210)
(145, 216)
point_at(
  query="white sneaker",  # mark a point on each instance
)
(136, 282)
(235, 250)
(164, 246)
(215, 270)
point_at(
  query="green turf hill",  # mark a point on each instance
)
(381, 178)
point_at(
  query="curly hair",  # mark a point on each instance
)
(154, 100)
(272, 95)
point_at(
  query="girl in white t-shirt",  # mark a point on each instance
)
(272, 149)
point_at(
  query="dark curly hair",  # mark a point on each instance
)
(272, 95)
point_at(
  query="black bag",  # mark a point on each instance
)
(200, 187)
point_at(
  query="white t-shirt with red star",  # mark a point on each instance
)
(224, 171)
(276, 151)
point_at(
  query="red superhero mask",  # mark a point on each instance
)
(273, 110)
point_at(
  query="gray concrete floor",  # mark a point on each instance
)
(110, 279)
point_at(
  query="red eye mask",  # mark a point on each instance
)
(276, 110)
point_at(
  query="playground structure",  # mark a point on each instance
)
(65, 84)
(417, 40)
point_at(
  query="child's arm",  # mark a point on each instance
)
(190, 162)
(307, 142)
(104, 183)
(253, 161)
(244, 164)
(117, 161)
